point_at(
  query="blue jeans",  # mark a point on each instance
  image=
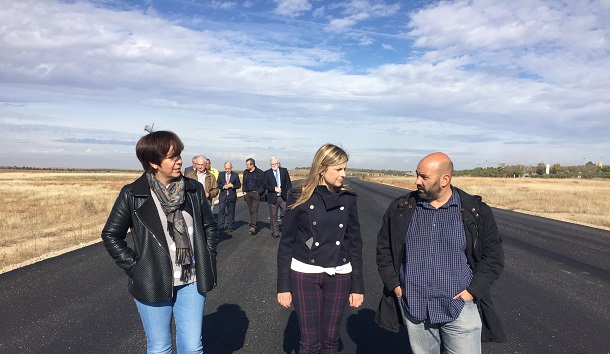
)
(188, 309)
(463, 335)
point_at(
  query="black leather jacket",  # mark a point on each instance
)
(148, 264)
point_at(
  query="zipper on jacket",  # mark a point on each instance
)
(169, 257)
(204, 231)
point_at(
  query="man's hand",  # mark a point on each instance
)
(398, 292)
(465, 295)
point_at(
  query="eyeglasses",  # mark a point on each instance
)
(174, 158)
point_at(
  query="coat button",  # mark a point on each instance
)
(316, 244)
(313, 261)
(337, 243)
(314, 223)
(344, 259)
(341, 225)
(311, 206)
(341, 208)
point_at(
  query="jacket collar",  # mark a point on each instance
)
(331, 200)
(141, 186)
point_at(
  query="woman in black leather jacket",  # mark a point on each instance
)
(172, 265)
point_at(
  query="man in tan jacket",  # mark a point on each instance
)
(206, 178)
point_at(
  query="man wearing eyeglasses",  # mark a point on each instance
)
(277, 183)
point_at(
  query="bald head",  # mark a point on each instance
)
(433, 177)
(439, 162)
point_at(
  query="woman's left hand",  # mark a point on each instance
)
(356, 300)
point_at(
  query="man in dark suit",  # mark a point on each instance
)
(228, 182)
(190, 168)
(277, 183)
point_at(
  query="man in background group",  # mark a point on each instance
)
(228, 183)
(205, 177)
(215, 173)
(190, 168)
(253, 190)
(277, 183)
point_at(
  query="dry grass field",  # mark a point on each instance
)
(574, 200)
(47, 213)
(44, 213)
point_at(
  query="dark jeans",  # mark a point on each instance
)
(252, 200)
(226, 214)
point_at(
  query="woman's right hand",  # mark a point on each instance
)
(284, 299)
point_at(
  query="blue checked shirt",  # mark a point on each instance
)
(435, 267)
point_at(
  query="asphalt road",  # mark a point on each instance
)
(553, 296)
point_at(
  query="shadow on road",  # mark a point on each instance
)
(292, 336)
(369, 338)
(225, 329)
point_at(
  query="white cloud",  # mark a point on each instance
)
(292, 8)
(224, 5)
(356, 11)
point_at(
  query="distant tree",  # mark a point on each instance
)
(540, 168)
(555, 168)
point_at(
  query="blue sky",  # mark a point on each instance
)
(486, 81)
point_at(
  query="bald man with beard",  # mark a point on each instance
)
(438, 254)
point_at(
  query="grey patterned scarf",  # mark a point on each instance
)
(171, 199)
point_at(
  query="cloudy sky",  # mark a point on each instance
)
(486, 81)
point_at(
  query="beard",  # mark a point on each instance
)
(430, 193)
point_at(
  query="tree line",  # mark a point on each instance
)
(588, 171)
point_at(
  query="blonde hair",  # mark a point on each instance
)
(327, 155)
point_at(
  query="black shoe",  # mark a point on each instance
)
(275, 236)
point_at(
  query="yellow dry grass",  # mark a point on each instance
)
(574, 200)
(44, 213)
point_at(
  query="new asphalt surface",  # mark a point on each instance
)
(553, 296)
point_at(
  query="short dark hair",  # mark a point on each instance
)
(251, 161)
(154, 147)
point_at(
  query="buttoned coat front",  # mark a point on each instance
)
(324, 231)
